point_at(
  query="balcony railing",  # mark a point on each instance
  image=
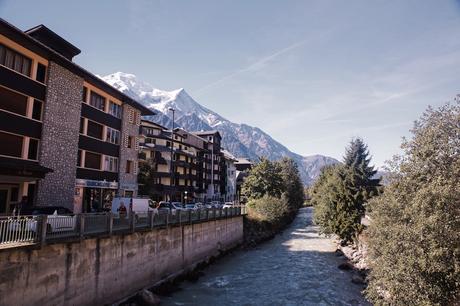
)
(39, 230)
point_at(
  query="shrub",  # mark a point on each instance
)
(268, 208)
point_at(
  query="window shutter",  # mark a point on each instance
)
(136, 143)
(126, 141)
(138, 118)
(135, 168)
(130, 115)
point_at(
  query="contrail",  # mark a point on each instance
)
(254, 66)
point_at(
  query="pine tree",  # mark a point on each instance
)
(341, 192)
(338, 203)
(357, 158)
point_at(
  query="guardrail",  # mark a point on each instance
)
(30, 230)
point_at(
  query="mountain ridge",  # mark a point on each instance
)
(240, 139)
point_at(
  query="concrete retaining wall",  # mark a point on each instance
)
(101, 271)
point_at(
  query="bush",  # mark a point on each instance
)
(268, 209)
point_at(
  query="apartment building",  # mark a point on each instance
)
(174, 161)
(230, 177)
(197, 170)
(213, 165)
(68, 138)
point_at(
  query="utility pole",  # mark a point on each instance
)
(212, 168)
(172, 154)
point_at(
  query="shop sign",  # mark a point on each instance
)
(96, 184)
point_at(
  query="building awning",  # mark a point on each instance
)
(22, 168)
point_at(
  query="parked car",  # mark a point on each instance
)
(228, 205)
(167, 207)
(216, 204)
(199, 205)
(191, 206)
(60, 219)
(178, 205)
(140, 206)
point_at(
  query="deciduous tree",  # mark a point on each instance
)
(414, 236)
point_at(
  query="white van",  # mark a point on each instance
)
(140, 206)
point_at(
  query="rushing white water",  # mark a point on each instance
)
(298, 267)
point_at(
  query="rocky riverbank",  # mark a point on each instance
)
(355, 259)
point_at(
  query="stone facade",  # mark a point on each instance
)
(130, 134)
(58, 148)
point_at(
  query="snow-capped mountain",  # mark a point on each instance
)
(240, 139)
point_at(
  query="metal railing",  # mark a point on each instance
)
(18, 230)
(26, 230)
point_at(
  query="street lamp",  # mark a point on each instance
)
(172, 153)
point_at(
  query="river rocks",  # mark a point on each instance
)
(345, 266)
(147, 298)
(358, 279)
(338, 253)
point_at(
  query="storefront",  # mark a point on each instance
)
(18, 179)
(94, 196)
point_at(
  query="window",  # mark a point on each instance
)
(79, 158)
(14, 60)
(13, 102)
(82, 125)
(94, 129)
(92, 160)
(97, 101)
(37, 110)
(114, 109)
(84, 94)
(113, 136)
(129, 166)
(129, 145)
(11, 145)
(41, 73)
(33, 149)
(111, 164)
(168, 143)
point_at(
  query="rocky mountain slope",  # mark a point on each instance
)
(240, 139)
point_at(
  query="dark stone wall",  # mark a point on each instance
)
(128, 181)
(59, 145)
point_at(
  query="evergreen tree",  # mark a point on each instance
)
(341, 192)
(263, 179)
(414, 236)
(145, 178)
(338, 203)
(357, 158)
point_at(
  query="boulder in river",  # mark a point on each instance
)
(358, 279)
(147, 298)
(345, 266)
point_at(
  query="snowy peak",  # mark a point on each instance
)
(162, 100)
(241, 140)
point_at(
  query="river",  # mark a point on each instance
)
(298, 267)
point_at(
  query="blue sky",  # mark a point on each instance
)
(313, 74)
